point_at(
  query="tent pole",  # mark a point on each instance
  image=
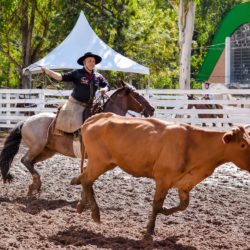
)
(30, 80)
(148, 87)
(148, 81)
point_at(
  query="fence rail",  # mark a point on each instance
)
(171, 105)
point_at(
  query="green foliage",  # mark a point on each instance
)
(145, 31)
(152, 40)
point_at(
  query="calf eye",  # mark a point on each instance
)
(243, 145)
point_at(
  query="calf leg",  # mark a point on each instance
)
(159, 197)
(88, 195)
(77, 180)
(95, 212)
(184, 201)
(92, 172)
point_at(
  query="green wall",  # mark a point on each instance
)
(236, 17)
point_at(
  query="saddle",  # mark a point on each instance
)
(58, 122)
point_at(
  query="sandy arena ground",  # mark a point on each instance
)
(218, 216)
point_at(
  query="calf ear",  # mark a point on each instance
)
(227, 137)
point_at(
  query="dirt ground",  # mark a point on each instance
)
(218, 216)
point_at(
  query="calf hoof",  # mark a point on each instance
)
(150, 232)
(147, 241)
(96, 216)
(150, 229)
(80, 207)
(75, 181)
(30, 191)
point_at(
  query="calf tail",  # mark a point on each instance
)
(10, 149)
(77, 180)
(84, 156)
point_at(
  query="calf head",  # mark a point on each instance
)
(238, 147)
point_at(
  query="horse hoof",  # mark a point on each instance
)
(9, 179)
(80, 207)
(34, 188)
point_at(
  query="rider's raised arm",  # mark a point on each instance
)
(55, 75)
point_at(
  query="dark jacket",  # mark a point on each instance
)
(82, 81)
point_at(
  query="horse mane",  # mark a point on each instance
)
(127, 86)
(98, 107)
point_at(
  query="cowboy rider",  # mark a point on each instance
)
(86, 82)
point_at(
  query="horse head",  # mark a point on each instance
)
(191, 97)
(136, 98)
(127, 98)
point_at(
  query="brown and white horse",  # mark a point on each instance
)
(206, 106)
(36, 132)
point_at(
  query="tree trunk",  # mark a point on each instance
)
(186, 29)
(27, 26)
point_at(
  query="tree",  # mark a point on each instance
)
(145, 31)
(186, 16)
(25, 26)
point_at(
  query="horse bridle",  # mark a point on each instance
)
(109, 98)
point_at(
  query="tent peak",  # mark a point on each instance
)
(80, 40)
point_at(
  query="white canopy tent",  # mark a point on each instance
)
(83, 39)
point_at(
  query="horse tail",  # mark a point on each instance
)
(10, 149)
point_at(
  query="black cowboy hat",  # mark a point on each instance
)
(98, 59)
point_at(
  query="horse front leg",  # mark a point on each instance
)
(184, 201)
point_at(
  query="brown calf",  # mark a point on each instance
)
(174, 155)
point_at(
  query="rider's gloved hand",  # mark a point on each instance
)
(104, 90)
(43, 69)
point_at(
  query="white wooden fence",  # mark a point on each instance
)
(171, 105)
(18, 104)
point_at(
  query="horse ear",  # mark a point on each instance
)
(123, 83)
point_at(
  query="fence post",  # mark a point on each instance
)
(42, 101)
(7, 107)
